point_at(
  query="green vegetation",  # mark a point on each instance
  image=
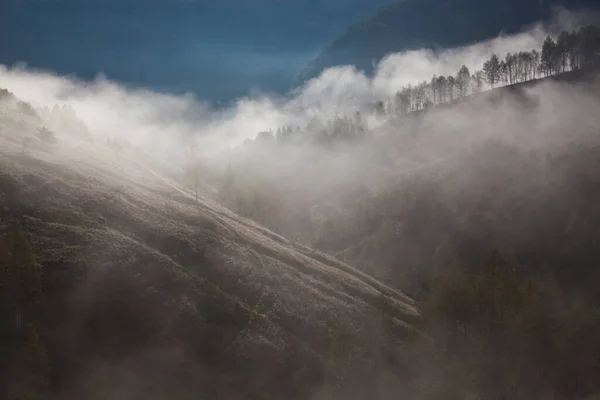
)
(24, 356)
(499, 332)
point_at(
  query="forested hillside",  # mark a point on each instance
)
(351, 154)
(485, 210)
(410, 24)
(576, 52)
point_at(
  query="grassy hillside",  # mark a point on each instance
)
(145, 293)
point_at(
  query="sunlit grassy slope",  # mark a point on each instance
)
(147, 293)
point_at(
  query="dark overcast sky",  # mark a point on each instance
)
(219, 49)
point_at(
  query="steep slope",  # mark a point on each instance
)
(411, 24)
(148, 294)
(486, 211)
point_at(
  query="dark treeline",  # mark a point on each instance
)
(336, 130)
(571, 51)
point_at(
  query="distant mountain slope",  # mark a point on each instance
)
(414, 24)
(149, 295)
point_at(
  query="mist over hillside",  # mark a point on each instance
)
(316, 246)
(162, 122)
(130, 285)
(408, 25)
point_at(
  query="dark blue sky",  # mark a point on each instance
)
(219, 49)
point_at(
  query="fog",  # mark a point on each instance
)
(160, 121)
(348, 196)
(303, 174)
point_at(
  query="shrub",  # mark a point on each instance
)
(47, 136)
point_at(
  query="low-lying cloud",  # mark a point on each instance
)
(159, 122)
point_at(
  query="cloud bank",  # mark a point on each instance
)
(160, 122)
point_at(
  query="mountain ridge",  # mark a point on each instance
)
(411, 25)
